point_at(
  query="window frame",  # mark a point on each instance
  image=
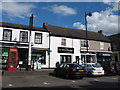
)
(21, 38)
(83, 45)
(40, 39)
(63, 42)
(10, 38)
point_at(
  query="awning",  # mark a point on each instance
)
(40, 49)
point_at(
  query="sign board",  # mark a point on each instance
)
(65, 50)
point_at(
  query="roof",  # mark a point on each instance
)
(114, 37)
(20, 26)
(74, 33)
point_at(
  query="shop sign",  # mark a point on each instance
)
(65, 50)
(5, 53)
(104, 54)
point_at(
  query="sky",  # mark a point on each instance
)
(64, 13)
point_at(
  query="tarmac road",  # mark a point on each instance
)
(45, 81)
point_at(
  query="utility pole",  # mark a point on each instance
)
(29, 54)
(86, 14)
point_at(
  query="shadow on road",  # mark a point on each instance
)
(42, 88)
(102, 85)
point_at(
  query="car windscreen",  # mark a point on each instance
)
(96, 65)
(74, 65)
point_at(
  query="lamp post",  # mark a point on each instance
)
(29, 54)
(87, 14)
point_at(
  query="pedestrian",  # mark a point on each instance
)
(57, 64)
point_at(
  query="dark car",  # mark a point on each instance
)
(110, 67)
(70, 70)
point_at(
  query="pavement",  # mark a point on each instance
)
(29, 72)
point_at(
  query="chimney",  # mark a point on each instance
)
(101, 32)
(45, 24)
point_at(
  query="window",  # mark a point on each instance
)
(63, 42)
(84, 44)
(7, 35)
(101, 45)
(23, 36)
(38, 38)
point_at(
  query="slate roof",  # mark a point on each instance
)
(20, 26)
(74, 33)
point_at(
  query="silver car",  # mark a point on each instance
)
(93, 69)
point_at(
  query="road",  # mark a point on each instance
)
(38, 82)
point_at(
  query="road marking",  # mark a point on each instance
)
(73, 81)
(115, 78)
(46, 83)
(10, 85)
(96, 79)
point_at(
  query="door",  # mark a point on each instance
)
(12, 59)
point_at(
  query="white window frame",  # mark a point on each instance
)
(83, 43)
(38, 39)
(23, 36)
(63, 42)
(102, 45)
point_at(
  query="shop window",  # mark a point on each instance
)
(63, 42)
(65, 59)
(84, 43)
(7, 35)
(38, 38)
(23, 36)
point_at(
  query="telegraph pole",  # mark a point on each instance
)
(29, 54)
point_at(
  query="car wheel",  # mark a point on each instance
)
(89, 74)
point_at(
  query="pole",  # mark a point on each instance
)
(29, 54)
(86, 32)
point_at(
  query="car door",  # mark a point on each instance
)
(61, 70)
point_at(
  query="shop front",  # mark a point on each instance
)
(88, 57)
(12, 54)
(65, 54)
(104, 56)
(39, 58)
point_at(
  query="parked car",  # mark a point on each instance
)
(110, 67)
(93, 69)
(70, 70)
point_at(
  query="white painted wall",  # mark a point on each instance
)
(1, 33)
(16, 34)
(56, 42)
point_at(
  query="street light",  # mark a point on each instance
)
(86, 14)
(29, 54)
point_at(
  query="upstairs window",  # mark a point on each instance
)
(38, 38)
(7, 35)
(23, 36)
(63, 42)
(101, 45)
(84, 43)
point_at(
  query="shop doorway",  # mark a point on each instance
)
(88, 59)
(65, 58)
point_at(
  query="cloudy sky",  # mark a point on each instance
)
(65, 14)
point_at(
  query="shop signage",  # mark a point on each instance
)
(65, 50)
(104, 54)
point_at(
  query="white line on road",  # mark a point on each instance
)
(46, 83)
(10, 85)
(73, 81)
(96, 80)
